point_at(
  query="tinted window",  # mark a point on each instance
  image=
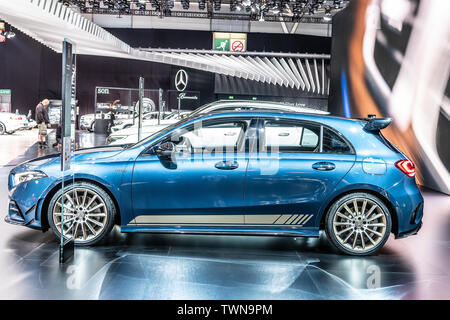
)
(334, 143)
(215, 137)
(290, 136)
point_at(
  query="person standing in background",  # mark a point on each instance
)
(43, 121)
(112, 116)
(58, 142)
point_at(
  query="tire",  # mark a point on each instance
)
(88, 228)
(355, 232)
(127, 126)
(2, 128)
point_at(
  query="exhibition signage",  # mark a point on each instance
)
(5, 91)
(227, 41)
(181, 80)
(102, 90)
(221, 44)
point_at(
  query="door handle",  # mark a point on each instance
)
(227, 165)
(324, 166)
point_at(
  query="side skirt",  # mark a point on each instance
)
(242, 231)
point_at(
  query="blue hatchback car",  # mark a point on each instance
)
(253, 173)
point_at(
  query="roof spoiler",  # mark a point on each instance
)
(375, 124)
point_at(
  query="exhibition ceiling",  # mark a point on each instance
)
(50, 22)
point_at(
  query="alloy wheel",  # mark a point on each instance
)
(359, 224)
(85, 214)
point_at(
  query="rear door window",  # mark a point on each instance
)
(290, 136)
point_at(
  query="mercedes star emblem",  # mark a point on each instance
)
(181, 80)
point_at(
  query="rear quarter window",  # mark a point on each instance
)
(334, 142)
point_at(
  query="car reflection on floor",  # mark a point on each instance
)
(147, 266)
(158, 266)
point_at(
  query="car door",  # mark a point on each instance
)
(201, 185)
(293, 171)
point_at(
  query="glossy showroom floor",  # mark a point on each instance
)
(145, 266)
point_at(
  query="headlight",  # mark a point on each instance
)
(25, 176)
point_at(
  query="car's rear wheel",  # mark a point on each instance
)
(358, 224)
(87, 211)
(2, 128)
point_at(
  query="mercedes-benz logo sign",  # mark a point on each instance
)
(181, 80)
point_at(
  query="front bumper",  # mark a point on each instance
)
(409, 233)
(10, 221)
(28, 219)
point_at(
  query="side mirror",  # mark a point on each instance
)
(166, 150)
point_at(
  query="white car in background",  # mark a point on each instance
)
(87, 121)
(32, 124)
(25, 123)
(11, 122)
(130, 135)
(127, 123)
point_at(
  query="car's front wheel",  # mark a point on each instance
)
(2, 128)
(358, 224)
(85, 213)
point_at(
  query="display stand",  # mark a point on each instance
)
(67, 247)
(141, 104)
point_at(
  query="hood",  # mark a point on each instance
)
(98, 149)
(36, 162)
(97, 152)
(80, 154)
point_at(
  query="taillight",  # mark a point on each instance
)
(407, 167)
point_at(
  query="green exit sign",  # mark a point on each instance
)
(222, 44)
(5, 91)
